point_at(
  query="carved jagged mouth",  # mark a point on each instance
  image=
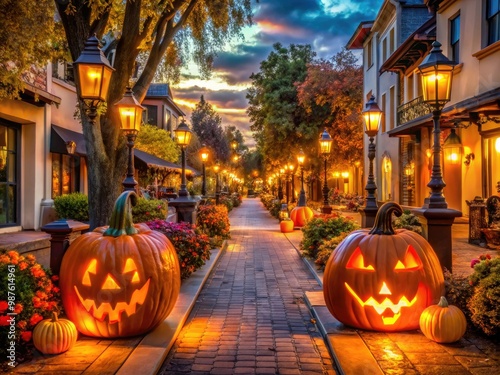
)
(113, 314)
(388, 310)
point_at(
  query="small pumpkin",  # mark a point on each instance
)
(382, 279)
(300, 215)
(122, 280)
(54, 336)
(286, 226)
(443, 323)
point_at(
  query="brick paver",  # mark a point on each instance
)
(250, 317)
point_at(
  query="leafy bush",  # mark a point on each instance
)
(484, 304)
(214, 222)
(408, 221)
(227, 201)
(326, 249)
(149, 209)
(192, 246)
(28, 291)
(74, 206)
(458, 291)
(322, 228)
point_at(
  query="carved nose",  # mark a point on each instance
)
(385, 290)
(110, 283)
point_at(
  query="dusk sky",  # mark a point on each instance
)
(327, 25)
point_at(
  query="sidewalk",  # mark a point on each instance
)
(363, 352)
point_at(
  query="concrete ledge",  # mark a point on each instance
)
(149, 355)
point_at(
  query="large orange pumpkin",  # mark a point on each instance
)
(300, 215)
(122, 280)
(381, 279)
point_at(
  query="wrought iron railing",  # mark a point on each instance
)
(410, 111)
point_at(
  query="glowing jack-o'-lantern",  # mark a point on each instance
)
(122, 280)
(381, 279)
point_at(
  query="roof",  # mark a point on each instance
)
(59, 136)
(360, 35)
(159, 90)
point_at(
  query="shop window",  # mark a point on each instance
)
(65, 174)
(8, 175)
(455, 39)
(493, 20)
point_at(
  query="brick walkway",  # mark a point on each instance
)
(250, 317)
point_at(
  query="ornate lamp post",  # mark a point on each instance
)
(437, 73)
(183, 137)
(130, 117)
(325, 146)
(372, 115)
(291, 171)
(92, 76)
(217, 186)
(301, 157)
(204, 153)
(280, 184)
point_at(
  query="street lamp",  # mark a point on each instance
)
(325, 146)
(204, 157)
(280, 184)
(217, 187)
(130, 117)
(92, 76)
(436, 72)
(183, 137)
(291, 169)
(372, 115)
(301, 157)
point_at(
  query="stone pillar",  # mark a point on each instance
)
(186, 209)
(436, 224)
(62, 233)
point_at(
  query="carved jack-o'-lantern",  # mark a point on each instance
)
(121, 280)
(381, 279)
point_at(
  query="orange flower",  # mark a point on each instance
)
(41, 294)
(35, 319)
(54, 278)
(3, 306)
(14, 255)
(26, 335)
(31, 258)
(4, 259)
(18, 308)
(37, 303)
(23, 266)
(22, 325)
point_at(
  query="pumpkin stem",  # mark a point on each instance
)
(54, 317)
(121, 219)
(383, 220)
(443, 302)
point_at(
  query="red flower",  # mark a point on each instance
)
(26, 335)
(4, 320)
(22, 325)
(54, 278)
(18, 308)
(35, 319)
(3, 306)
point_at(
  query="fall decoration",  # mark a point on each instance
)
(54, 336)
(300, 215)
(122, 280)
(286, 226)
(443, 323)
(381, 279)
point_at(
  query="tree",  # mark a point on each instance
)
(159, 31)
(207, 126)
(280, 125)
(157, 141)
(28, 36)
(333, 91)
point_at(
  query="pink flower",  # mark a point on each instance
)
(473, 262)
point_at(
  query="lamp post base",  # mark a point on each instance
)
(186, 209)
(368, 215)
(436, 224)
(326, 210)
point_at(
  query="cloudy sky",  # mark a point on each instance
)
(327, 25)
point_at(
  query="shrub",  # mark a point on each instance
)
(326, 249)
(407, 221)
(149, 209)
(227, 201)
(484, 305)
(74, 206)
(214, 222)
(28, 290)
(192, 246)
(322, 228)
(458, 291)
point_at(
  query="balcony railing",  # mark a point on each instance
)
(410, 111)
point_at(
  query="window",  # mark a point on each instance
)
(392, 43)
(493, 20)
(384, 108)
(384, 50)
(65, 174)
(150, 115)
(8, 175)
(369, 52)
(392, 104)
(455, 39)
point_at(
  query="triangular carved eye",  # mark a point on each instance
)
(411, 261)
(357, 261)
(90, 269)
(130, 266)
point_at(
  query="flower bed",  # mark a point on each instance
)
(213, 220)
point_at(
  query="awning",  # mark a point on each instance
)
(59, 136)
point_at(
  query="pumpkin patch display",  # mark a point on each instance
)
(443, 323)
(382, 279)
(54, 336)
(300, 215)
(122, 280)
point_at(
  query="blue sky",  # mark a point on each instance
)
(327, 25)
